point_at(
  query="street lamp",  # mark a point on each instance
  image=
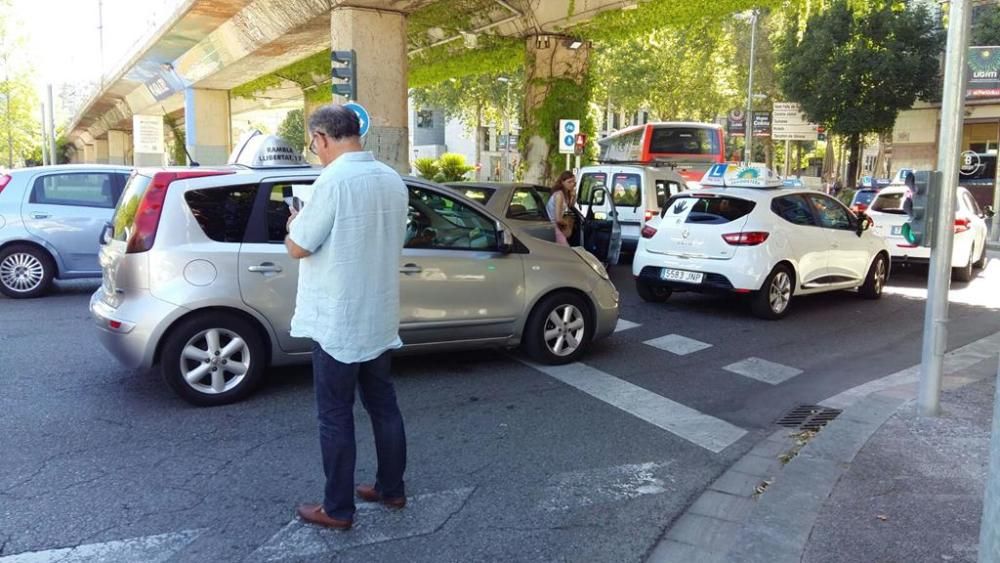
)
(505, 175)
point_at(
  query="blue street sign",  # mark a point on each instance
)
(362, 114)
(569, 140)
(570, 127)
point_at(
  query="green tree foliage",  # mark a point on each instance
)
(450, 167)
(293, 130)
(854, 68)
(481, 99)
(20, 121)
(986, 28)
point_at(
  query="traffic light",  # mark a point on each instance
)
(925, 186)
(343, 71)
(820, 133)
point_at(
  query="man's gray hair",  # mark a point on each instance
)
(335, 121)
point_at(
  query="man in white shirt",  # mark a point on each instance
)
(349, 237)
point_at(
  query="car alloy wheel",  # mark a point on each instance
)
(564, 330)
(780, 292)
(214, 361)
(879, 275)
(22, 272)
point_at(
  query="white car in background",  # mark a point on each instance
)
(969, 251)
(743, 233)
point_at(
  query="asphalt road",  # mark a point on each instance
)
(505, 462)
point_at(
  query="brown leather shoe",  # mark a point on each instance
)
(314, 514)
(368, 493)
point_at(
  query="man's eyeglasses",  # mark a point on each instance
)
(312, 142)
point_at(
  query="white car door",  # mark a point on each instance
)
(808, 242)
(969, 208)
(848, 254)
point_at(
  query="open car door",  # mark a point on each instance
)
(601, 233)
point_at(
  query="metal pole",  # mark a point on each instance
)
(100, 38)
(788, 155)
(989, 529)
(45, 141)
(952, 115)
(748, 120)
(505, 176)
(53, 157)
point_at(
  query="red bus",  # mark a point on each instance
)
(692, 147)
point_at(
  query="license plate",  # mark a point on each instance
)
(681, 276)
(897, 230)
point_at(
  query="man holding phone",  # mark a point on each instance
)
(349, 240)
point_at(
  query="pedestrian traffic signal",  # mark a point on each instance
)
(343, 72)
(924, 187)
(820, 133)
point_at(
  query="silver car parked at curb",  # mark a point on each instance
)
(50, 221)
(197, 280)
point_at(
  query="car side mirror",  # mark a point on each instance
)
(989, 212)
(505, 239)
(864, 223)
(107, 233)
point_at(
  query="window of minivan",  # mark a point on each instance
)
(590, 182)
(627, 190)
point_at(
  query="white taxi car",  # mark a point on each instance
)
(744, 233)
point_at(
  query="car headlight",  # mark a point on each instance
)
(593, 262)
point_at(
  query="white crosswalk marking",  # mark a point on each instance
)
(677, 344)
(602, 485)
(700, 429)
(625, 325)
(148, 549)
(763, 370)
(372, 524)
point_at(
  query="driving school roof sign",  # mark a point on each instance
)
(265, 151)
(741, 176)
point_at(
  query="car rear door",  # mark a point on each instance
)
(807, 241)
(68, 210)
(268, 276)
(455, 285)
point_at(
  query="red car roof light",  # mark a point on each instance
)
(147, 215)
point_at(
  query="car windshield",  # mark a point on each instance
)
(890, 203)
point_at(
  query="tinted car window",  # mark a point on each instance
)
(277, 208)
(437, 221)
(627, 190)
(222, 213)
(831, 214)
(664, 190)
(479, 195)
(526, 205)
(864, 196)
(890, 203)
(683, 140)
(124, 219)
(590, 182)
(709, 209)
(82, 190)
(793, 209)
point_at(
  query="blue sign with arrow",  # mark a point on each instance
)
(362, 114)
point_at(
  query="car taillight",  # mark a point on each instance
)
(962, 224)
(4, 180)
(147, 216)
(647, 232)
(752, 238)
(650, 213)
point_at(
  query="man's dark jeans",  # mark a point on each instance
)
(335, 383)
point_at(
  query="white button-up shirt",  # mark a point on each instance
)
(348, 291)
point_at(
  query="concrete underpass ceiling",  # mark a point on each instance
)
(221, 44)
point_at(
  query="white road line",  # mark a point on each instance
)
(763, 370)
(372, 524)
(694, 426)
(603, 485)
(625, 325)
(955, 361)
(677, 344)
(148, 549)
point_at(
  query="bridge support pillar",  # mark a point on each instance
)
(207, 125)
(101, 151)
(117, 147)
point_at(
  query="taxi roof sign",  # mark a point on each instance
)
(257, 150)
(753, 175)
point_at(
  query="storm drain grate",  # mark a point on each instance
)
(808, 417)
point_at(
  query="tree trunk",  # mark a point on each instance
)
(769, 153)
(828, 164)
(852, 163)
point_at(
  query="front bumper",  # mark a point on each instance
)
(606, 304)
(131, 332)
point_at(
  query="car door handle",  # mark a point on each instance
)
(265, 268)
(40, 215)
(411, 269)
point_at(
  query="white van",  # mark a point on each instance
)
(639, 192)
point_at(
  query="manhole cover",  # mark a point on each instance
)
(808, 417)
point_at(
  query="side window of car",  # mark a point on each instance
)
(526, 205)
(831, 214)
(664, 190)
(794, 209)
(277, 207)
(440, 222)
(972, 204)
(222, 213)
(89, 189)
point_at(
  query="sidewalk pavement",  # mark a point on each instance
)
(878, 484)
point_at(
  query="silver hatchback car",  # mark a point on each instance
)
(197, 280)
(50, 221)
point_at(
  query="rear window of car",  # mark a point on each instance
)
(222, 213)
(684, 140)
(890, 203)
(627, 190)
(526, 205)
(865, 196)
(709, 210)
(478, 195)
(124, 218)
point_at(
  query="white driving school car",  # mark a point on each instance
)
(743, 233)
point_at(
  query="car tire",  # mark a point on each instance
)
(876, 278)
(26, 271)
(201, 347)
(774, 298)
(548, 337)
(965, 273)
(981, 263)
(652, 293)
